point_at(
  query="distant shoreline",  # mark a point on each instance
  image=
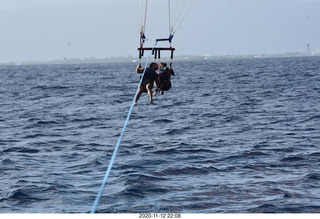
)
(177, 58)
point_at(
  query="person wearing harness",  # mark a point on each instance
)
(149, 78)
(164, 79)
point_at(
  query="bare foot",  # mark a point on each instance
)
(135, 104)
(161, 92)
(151, 102)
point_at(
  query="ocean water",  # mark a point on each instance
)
(231, 136)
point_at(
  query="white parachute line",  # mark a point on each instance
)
(177, 6)
(141, 15)
(138, 11)
(177, 24)
(178, 10)
(145, 17)
(175, 11)
(136, 15)
(131, 10)
(178, 14)
(185, 15)
(169, 16)
(171, 12)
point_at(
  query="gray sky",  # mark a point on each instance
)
(43, 30)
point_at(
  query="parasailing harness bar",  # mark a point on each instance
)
(177, 11)
(155, 51)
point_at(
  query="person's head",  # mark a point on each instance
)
(153, 66)
(163, 65)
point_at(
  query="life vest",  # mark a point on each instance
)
(164, 76)
(150, 75)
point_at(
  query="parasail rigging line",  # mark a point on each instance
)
(136, 16)
(179, 14)
(145, 17)
(169, 14)
(139, 9)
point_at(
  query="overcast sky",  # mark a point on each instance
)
(43, 30)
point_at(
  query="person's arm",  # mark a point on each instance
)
(170, 69)
(139, 70)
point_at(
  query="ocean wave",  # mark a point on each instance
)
(21, 196)
(21, 150)
(187, 171)
(244, 141)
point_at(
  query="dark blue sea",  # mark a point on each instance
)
(231, 136)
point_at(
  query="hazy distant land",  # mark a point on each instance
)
(135, 59)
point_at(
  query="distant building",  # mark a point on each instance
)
(308, 49)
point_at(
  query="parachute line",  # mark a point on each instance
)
(175, 28)
(169, 15)
(145, 17)
(139, 10)
(177, 11)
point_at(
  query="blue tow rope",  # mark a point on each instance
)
(104, 181)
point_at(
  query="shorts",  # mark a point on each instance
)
(165, 87)
(144, 85)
